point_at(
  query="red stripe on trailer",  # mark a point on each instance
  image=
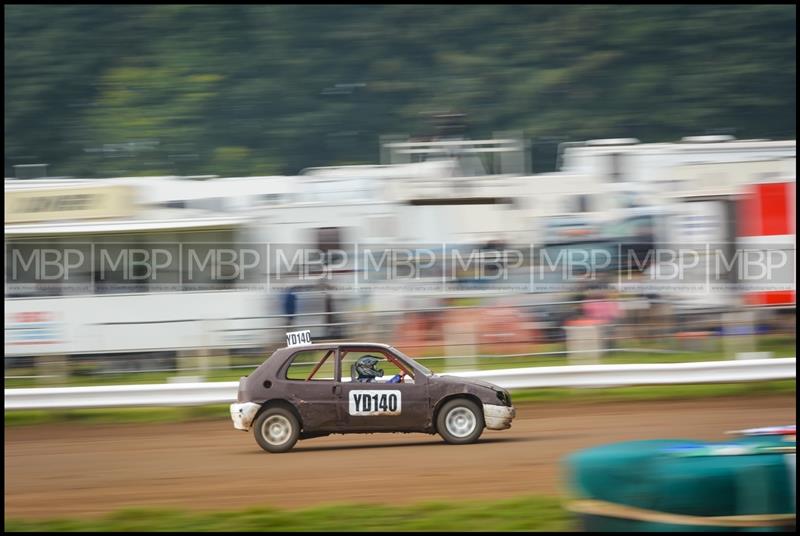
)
(754, 298)
(771, 297)
(774, 208)
(749, 214)
(780, 297)
(768, 215)
(791, 201)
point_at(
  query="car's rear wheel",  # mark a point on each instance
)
(460, 421)
(276, 429)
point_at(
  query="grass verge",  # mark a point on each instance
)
(519, 514)
(656, 392)
(522, 396)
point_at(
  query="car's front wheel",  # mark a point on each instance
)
(276, 429)
(460, 421)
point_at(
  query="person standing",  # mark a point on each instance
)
(290, 305)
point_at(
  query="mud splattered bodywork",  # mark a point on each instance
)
(341, 405)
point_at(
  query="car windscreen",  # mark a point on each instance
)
(424, 370)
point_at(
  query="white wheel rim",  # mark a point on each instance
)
(461, 422)
(276, 430)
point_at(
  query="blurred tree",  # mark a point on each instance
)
(235, 89)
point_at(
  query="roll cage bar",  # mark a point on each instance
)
(343, 350)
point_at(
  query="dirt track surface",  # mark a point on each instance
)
(70, 470)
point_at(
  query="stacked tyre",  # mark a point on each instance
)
(684, 485)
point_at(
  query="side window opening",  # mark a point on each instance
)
(373, 365)
(312, 365)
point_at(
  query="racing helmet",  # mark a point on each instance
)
(364, 369)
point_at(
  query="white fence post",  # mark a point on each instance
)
(584, 343)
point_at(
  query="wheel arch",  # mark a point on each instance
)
(444, 400)
(280, 403)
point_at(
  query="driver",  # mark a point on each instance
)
(364, 371)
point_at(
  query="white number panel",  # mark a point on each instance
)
(375, 403)
(298, 338)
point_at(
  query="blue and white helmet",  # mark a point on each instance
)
(364, 369)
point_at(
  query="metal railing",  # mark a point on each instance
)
(536, 377)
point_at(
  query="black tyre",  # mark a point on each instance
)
(276, 429)
(460, 421)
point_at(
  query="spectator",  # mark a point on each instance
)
(290, 305)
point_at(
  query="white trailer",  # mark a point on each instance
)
(447, 199)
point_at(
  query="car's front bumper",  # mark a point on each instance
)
(243, 415)
(498, 417)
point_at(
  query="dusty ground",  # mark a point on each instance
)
(70, 470)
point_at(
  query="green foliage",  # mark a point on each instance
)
(251, 89)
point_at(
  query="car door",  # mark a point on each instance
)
(380, 406)
(309, 379)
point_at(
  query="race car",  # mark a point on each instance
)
(310, 390)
